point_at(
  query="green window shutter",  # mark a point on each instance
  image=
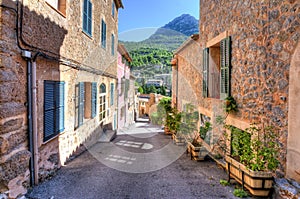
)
(60, 106)
(112, 90)
(81, 104)
(94, 99)
(89, 18)
(127, 82)
(85, 15)
(225, 59)
(205, 72)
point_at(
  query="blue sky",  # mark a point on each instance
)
(140, 18)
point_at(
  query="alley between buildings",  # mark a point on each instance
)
(142, 162)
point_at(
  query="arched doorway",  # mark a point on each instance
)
(293, 142)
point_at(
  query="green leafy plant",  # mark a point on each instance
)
(204, 129)
(224, 182)
(240, 193)
(230, 105)
(173, 120)
(256, 148)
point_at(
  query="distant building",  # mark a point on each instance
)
(126, 89)
(154, 82)
(145, 102)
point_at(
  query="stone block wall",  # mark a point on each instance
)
(58, 37)
(264, 35)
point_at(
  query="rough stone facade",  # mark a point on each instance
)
(65, 53)
(264, 36)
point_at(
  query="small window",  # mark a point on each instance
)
(54, 115)
(112, 44)
(113, 9)
(103, 34)
(87, 17)
(59, 5)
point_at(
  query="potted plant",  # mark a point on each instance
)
(195, 146)
(163, 109)
(253, 158)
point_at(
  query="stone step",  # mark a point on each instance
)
(108, 136)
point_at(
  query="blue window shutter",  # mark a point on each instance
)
(81, 104)
(94, 99)
(85, 15)
(49, 110)
(205, 72)
(103, 33)
(89, 18)
(104, 41)
(54, 94)
(225, 59)
(113, 9)
(112, 94)
(59, 107)
(112, 44)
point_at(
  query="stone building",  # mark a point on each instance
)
(145, 101)
(248, 50)
(58, 75)
(126, 93)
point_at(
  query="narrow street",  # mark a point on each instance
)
(141, 162)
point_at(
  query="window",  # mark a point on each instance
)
(112, 44)
(113, 8)
(59, 5)
(87, 17)
(90, 99)
(54, 116)
(103, 34)
(112, 91)
(216, 70)
(102, 102)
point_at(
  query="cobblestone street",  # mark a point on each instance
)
(141, 162)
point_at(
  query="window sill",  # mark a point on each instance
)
(58, 11)
(53, 138)
(87, 34)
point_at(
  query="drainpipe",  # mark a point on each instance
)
(34, 118)
(27, 56)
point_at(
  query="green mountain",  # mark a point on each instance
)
(152, 57)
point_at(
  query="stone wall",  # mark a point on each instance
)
(264, 35)
(61, 39)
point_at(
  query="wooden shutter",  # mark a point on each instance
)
(81, 104)
(89, 18)
(103, 34)
(225, 59)
(205, 72)
(94, 99)
(60, 107)
(85, 15)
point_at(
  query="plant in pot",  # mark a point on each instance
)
(253, 158)
(195, 146)
(163, 110)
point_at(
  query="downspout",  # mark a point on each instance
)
(34, 118)
(29, 118)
